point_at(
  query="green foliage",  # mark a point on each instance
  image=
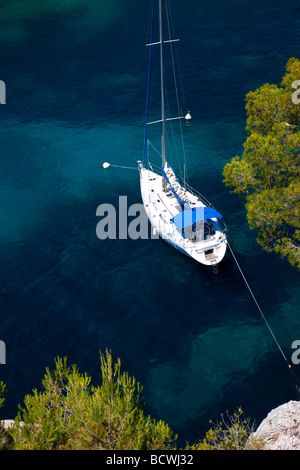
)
(233, 432)
(2, 393)
(70, 413)
(5, 439)
(267, 175)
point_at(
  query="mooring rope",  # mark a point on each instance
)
(107, 165)
(263, 316)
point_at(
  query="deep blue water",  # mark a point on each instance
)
(76, 83)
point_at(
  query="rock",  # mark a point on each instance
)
(280, 430)
(7, 423)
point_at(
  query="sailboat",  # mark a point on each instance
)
(178, 214)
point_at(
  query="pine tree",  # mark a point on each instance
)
(70, 413)
(267, 175)
(5, 440)
(232, 432)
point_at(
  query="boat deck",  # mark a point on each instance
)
(161, 206)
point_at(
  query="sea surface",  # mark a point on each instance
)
(75, 75)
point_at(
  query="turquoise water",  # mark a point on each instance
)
(76, 77)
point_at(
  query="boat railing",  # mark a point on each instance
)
(195, 192)
(185, 185)
(192, 190)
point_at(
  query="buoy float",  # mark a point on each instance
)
(188, 116)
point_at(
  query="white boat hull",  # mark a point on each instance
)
(161, 206)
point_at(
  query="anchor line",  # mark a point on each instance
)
(125, 167)
(121, 166)
(263, 316)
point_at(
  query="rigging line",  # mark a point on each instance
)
(173, 139)
(154, 148)
(148, 83)
(262, 314)
(170, 29)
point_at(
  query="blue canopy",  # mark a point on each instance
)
(196, 214)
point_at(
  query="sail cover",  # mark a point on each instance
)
(174, 184)
(194, 215)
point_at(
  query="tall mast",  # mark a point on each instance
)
(163, 136)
